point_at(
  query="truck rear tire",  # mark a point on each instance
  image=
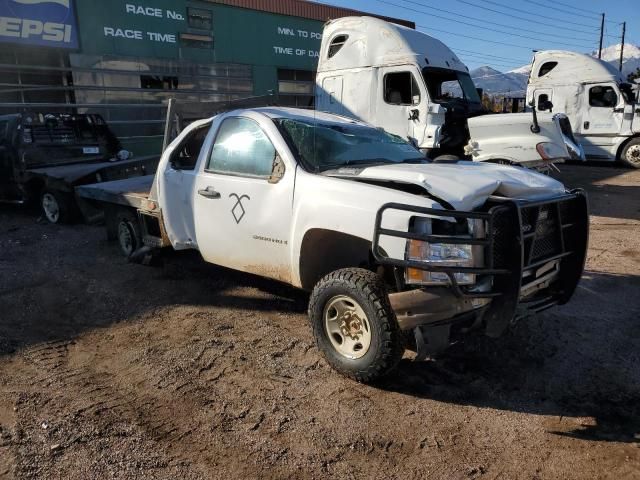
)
(57, 207)
(630, 154)
(354, 325)
(128, 231)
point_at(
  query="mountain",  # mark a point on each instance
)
(630, 58)
(493, 81)
(514, 82)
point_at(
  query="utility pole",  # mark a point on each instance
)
(624, 27)
(601, 35)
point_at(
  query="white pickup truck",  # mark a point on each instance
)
(396, 250)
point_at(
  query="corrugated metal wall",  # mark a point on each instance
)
(304, 9)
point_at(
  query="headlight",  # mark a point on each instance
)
(439, 254)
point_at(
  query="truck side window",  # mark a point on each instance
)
(336, 44)
(242, 148)
(546, 68)
(603, 96)
(401, 88)
(185, 156)
(542, 101)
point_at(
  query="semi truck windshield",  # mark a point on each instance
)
(445, 85)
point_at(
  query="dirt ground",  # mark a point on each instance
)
(114, 370)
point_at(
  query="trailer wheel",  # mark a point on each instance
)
(630, 154)
(354, 325)
(128, 230)
(57, 207)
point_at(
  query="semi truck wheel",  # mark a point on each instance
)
(129, 236)
(354, 325)
(57, 207)
(630, 154)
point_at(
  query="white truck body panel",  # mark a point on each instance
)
(488, 134)
(351, 83)
(266, 235)
(601, 130)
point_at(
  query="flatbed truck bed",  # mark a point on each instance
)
(129, 192)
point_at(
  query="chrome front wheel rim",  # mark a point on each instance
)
(347, 327)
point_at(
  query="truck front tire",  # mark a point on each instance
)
(354, 325)
(630, 154)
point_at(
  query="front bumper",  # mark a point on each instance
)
(523, 242)
(432, 306)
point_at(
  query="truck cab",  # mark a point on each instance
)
(414, 86)
(601, 106)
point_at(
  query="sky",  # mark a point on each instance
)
(503, 33)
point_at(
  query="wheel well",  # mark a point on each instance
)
(624, 144)
(112, 215)
(34, 187)
(324, 251)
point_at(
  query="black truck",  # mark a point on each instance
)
(44, 156)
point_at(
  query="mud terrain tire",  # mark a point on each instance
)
(367, 292)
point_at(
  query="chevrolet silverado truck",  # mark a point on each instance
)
(394, 248)
(44, 156)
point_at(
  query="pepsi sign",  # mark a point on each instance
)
(51, 23)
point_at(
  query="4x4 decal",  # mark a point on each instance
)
(238, 210)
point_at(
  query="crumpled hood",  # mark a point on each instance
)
(465, 185)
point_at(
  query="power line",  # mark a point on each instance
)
(528, 12)
(485, 63)
(493, 60)
(528, 20)
(554, 2)
(471, 37)
(475, 25)
(494, 23)
(489, 55)
(576, 8)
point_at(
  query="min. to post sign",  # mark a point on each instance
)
(51, 23)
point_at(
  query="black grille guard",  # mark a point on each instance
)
(517, 239)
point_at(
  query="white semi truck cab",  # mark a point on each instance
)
(601, 106)
(414, 86)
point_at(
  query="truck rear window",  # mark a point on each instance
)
(64, 129)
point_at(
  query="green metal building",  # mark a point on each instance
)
(125, 58)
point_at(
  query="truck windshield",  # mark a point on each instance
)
(324, 145)
(445, 85)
